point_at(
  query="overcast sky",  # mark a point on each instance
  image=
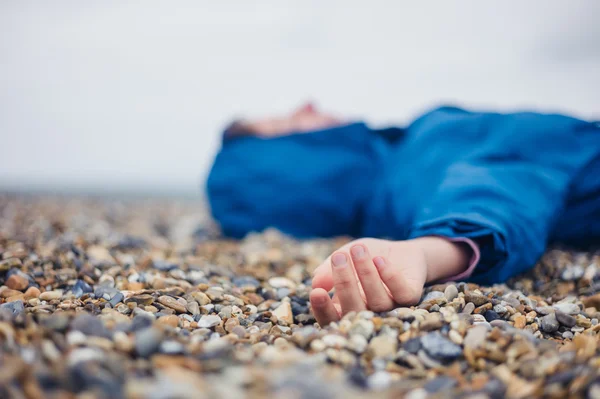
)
(117, 95)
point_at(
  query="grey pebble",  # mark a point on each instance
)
(209, 321)
(439, 347)
(549, 323)
(147, 341)
(15, 307)
(565, 319)
(451, 292)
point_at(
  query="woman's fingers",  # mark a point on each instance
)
(405, 289)
(378, 299)
(346, 286)
(323, 307)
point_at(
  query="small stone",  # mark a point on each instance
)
(475, 336)
(230, 324)
(413, 345)
(239, 331)
(451, 292)
(439, 347)
(90, 325)
(9, 263)
(565, 319)
(50, 295)
(15, 307)
(245, 281)
(567, 308)
(379, 380)
(490, 315)
(17, 282)
(567, 335)
(169, 320)
(592, 301)
(284, 313)
(432, 295)
(383, 346)
(469, 308)
(357, 343)
(115, 300)
(143, 300)
(32, 292)
(193, 307)
(334, 341)
(549, 323)
(201, 298)
(209, 321)
(80, 288)
(362, 327)
(147, 341)
(172, 303)
(520, 322)
(281, 282)
(476, 299)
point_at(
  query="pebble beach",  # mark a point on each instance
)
(142, 298)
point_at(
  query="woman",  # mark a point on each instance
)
(455, 195)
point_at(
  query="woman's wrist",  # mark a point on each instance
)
(444, 257)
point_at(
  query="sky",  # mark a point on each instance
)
(112, 96)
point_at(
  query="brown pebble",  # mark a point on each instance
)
(520, 322)
(170, 320)
(32, 292)
(50, 295)
(8, 292)
(143, 299)
(231, 323)
(477, 299)
(481, 309)
(172, 303)
(592, 301)
(17, 282)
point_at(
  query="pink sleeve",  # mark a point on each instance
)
(474, 259)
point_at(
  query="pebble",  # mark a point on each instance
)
(383, 346)
(469, 308)
(439, 347)
(362, 327)
(475, 336)
(281, 282)
(209, 321)
(451, 292)
(17, 282)
(16, 307)
(169, 320)
(476, 299)
(50, 295)
(490, 315)
(172, 303)
(147, 341)
(565, 319)
(284, 313)
(201, 298)
(549, 323)
(567, 308)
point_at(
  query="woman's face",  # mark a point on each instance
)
(304, 119)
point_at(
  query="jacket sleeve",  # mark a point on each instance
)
(506, 194)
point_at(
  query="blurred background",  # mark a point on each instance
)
(130, 97)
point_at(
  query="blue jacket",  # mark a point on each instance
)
(510, 182)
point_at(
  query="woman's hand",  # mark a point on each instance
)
(379, 275)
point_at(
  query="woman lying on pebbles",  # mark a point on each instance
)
(455, 195)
